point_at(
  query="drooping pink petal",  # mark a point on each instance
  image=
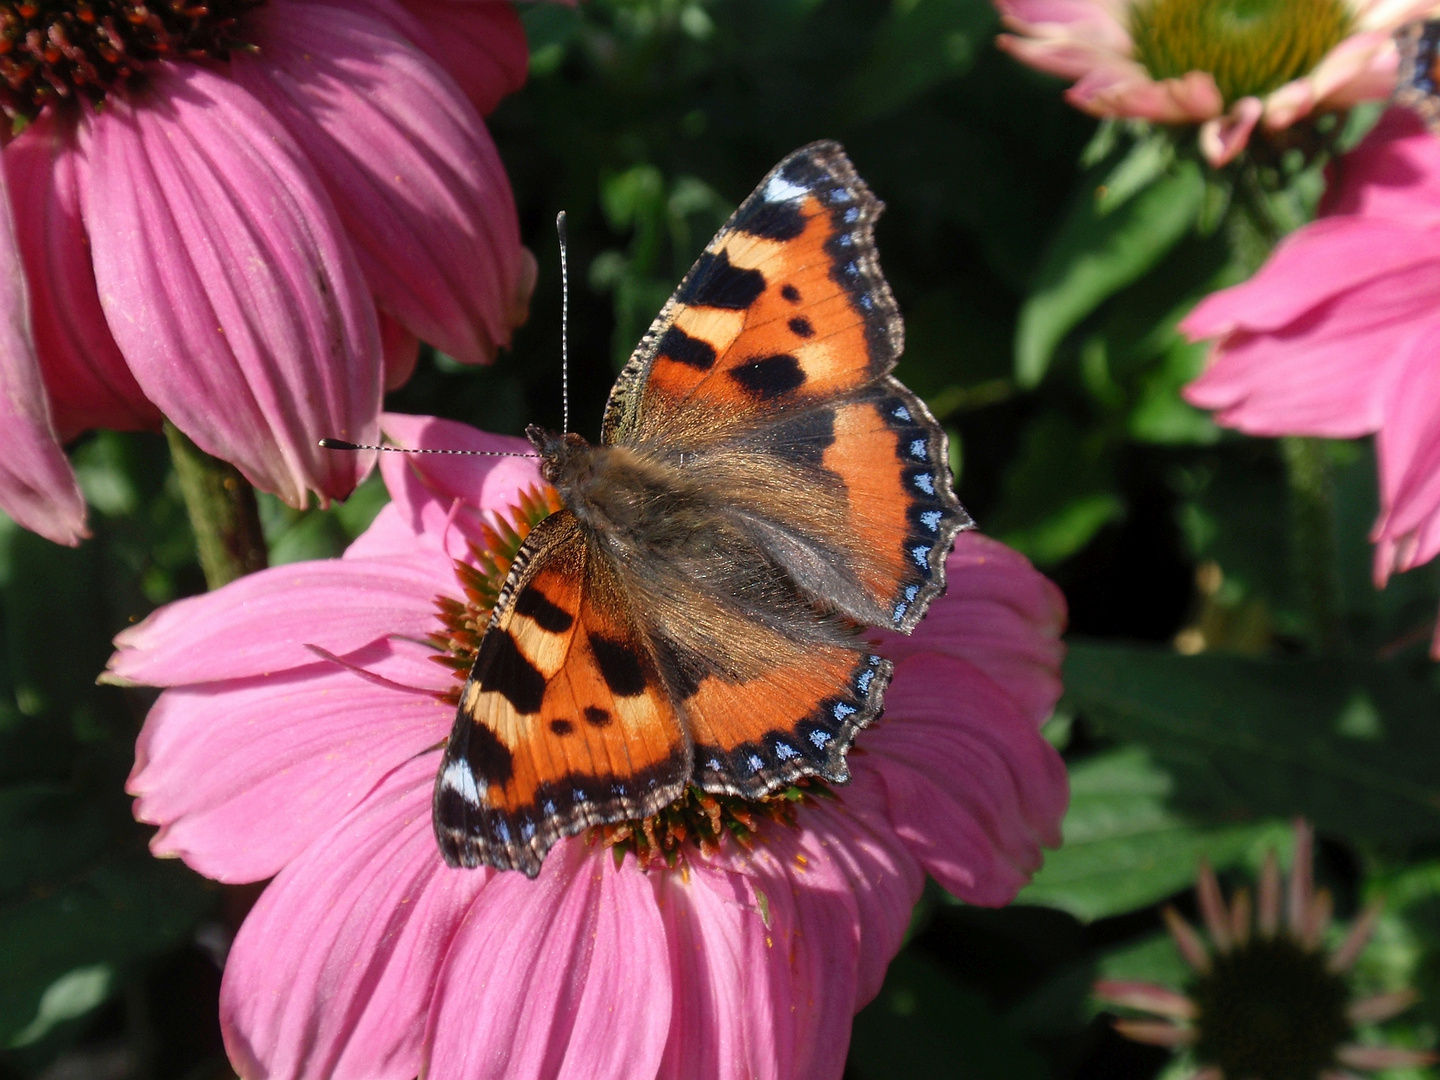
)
(1100, 25)
(1394, 174)
(1349, 252)
(88, 380)
(567, 976)
(332, 974)
(1360, 68)
(1408, 449)
(855, 834)
(408, 164)
(973, 789)
(37, 486)
(1059, 56)
(1222, 138)
(228, 282)
(242, 776)
(1000, 614)
(1127, 89)
(481, 43)
(1328, 372)
(1148, 997)
(402, 352)
(262, 623)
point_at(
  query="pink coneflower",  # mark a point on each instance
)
(240, 215)
(1337, 334)
(299, 738)
(1267, 1001)
(1223, 64)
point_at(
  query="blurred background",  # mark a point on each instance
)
(1199, 717)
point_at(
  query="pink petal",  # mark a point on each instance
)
(1127, 89)
(564, 976)
(973, 789)
(1101, 25)
(408, 164)
(1148, 997)
(228, 283)
(1328, 372)
(1350, 252)
(1058, 56)
(1222, 138)
(37, 485)
(242, 776)
(1000, 614)
(262, 623)
(402, 352)
(855, 835)
(481, 43)
(1360, 68)
(1394, 173)
(1408, 448)
(446, 497)
(89, 383)
(331, 975)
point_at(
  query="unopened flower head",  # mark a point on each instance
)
(1268, 1000)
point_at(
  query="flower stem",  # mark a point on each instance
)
(223, 512)
(1312, 531)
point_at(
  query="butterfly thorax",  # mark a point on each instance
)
(633, 501)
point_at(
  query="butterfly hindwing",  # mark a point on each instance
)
(785, 307)
(565, 721)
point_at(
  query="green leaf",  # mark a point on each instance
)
(1058, 492)
(1126, 847)
(116, 914)
(1350, 744)
(922, 1026)
(920, 46)
(1094, 255)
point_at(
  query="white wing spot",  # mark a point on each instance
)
(899, 612)
(901, 413)
(917, 448)
(921, 555)
(459, 779)
(925, 482)
(911, 592)
(931, 518)
(820, 737)
(841, 710)
(781, 190)
(755, 763)
(784, 751)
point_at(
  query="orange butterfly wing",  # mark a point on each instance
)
(564, 722)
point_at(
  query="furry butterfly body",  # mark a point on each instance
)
(762, 490)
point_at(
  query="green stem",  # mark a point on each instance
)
(1312, 530)
(223, 512)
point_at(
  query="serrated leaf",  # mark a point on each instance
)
(1269, 736)
(1096, 254)
(1127, 847)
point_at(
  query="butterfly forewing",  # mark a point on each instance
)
(564, 722)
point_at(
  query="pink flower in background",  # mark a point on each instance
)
(1338, 334)
(298, 738)
(241, 216)
(1222, 64)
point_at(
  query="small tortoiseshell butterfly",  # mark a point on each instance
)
(1418, 84)
(762, 489)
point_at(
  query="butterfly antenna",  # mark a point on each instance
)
(341, 444)
(564, 321)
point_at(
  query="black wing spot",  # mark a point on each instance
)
(561, 727)
(490, 759)
(596, 716)
(789, 292)
(769, 377)
(507, 672)
(801, 327)
(682, 348)
(534, 604)
(715, 283)
(620, 666)
(773, 220)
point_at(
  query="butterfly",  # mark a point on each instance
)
(763, 488)
(1418, 84)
